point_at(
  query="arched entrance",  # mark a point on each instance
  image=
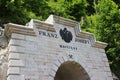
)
(71, 70)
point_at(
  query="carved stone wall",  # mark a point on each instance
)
(36, 51)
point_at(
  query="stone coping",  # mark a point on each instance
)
(86, 35)
(65, 21)
(43, 25)
(49, 26)
(99, 44)
(20, 29)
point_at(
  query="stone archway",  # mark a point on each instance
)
(71, 70)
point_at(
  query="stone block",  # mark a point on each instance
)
(106, 64)
(13, 70)
(101, 50)
(17, 36)
(50, 78)
(60, 59)
(14, 56)
(15, 63)
(52, 73)
(15, 77)
(54, 68)
(14, 42)
(17, 42)
(57, 63)
(31, 46)
(30, 38)
(109, 78)
(109, 74)
(90, 65)
(105, 59)
(18, 49)
(107, 69)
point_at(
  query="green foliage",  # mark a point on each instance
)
(12, 12)
(90, 8)
(21, 11)
(38, 7)
(101, 17)
(117, 2)
(57, 7)
(90, 25)
(77, 9)
(105, 24)
(72, 9)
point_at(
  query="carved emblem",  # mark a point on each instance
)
(66, 35)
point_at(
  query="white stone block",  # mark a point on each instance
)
(17, 49)
(109, 78)
(107, 69)
(105, 59)
(15, 77)
(13, 70)
(17, 36)
(101, 50)
(106, 64)
(57, 63)
(54, 67)
(14, 42)
(50, 78)
(15, 63)
(52, 73)
(60, 59)
(30, 38)
(90, 65)
(109, 74)
(17, 42)
(31, 46)
(14, 56)
(65, 58)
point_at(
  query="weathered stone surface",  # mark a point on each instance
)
(15, 77)
(37, 51)
(13, 71)
(18, 49)
(14, 56)
(18, 36)
(3, 71)
(3, 42)
(15, 63)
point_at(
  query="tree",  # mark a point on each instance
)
(72, 9)
(117, 2)
(21, 11)
(77, 9)
(90, 8)
(38, 7)
(107, 29)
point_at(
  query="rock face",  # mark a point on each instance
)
(52, 50)
(3, 39)
(3, 56)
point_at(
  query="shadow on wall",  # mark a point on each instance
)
(71, 70)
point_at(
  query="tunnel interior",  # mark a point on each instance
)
(71, 70)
